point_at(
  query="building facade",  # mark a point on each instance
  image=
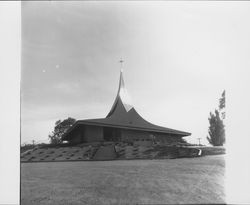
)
(122, 124)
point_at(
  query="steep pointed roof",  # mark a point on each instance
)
(122, 98)
(123, 115)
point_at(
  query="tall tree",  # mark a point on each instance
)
(222, 104)
(216, 128)
(60, 128)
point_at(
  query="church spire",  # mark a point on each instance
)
(121, 61)
(122, 96)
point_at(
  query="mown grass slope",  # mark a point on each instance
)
(183, 180)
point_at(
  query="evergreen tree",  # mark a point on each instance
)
(222, 105)
(216, 128)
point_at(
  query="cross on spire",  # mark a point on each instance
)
(121, 61)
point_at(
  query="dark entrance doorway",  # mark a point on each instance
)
(111, 134)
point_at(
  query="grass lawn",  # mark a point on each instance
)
(183, 180)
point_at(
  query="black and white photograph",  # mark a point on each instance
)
(126, 102)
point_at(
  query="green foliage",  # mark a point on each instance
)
(60, 128)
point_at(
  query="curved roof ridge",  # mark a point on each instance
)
(123, 115)
(123, 94)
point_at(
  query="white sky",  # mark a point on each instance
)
(179, 57)
(216, 35)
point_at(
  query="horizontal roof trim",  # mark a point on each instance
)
(124, 116)
(86, 122)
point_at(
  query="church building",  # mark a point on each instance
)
(122, 124)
